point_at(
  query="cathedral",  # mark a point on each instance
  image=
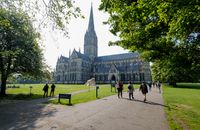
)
(78, 67)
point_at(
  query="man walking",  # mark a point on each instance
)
(144, 90)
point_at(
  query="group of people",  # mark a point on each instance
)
(46, 88)
(120, 88)
(143, 88)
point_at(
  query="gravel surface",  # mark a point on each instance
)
(109, 113)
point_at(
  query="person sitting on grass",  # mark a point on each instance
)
(144, 90)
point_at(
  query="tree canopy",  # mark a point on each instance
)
(165, 32)
(54, 14)
(19, 49)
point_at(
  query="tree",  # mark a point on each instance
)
(162, 31)
(19, 49)
(183, 66)
(54, 13)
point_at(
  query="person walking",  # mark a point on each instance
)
(150, 85)
(45, 89)
(130, 90)
(159, 86)
(120, 89)
(144, 90)
(52, 90)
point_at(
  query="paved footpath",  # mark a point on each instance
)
(109, 113)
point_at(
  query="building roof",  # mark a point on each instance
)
(62, 59)
(76, 54)
(116, 57)
(83, 56)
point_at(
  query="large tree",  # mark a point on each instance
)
(165, 32)
(19, 49)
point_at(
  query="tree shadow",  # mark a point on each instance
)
(21, 96)
(186, 86)
(23, 114)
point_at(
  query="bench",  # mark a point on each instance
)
(65, 96)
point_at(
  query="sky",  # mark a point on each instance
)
(56, 45)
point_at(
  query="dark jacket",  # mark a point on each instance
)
(144, 88)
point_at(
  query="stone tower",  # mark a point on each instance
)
(90, 39)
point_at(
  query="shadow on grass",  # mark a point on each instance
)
(21, 96)
(188, 85)
(62, 102)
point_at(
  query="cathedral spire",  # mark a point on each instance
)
(91, 20)
(90, 39)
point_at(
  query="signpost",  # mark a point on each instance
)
(66, 96)
(30, 89)
(97, 88)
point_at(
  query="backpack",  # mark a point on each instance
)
(129, 86)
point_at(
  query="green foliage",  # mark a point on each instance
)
(183, 111)
(164, 32)
(19, 48)
(54, 13)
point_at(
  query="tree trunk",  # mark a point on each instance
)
(3, 86)
(173, 84)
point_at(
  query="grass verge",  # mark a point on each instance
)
(104, 91)
(184, 106)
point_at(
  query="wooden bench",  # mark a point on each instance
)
(65, 96)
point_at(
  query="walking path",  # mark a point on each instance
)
(109, 113)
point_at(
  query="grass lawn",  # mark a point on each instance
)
(24, 91)
(184, 106)
(104, 91)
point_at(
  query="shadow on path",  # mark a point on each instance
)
(23, 114)
(148, 102)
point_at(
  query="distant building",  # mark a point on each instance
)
(78, 68)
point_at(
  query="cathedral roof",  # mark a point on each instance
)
(83, 56)
(116, 57)
(62, 59)
(76, 54)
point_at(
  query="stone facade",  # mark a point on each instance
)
(78, 68)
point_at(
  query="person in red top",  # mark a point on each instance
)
(144, 90)
(120, 89)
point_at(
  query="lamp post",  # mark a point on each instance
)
(97, 88)
(30, 89)
(63, 77)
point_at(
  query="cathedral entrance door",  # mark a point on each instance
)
(113, 82)
(113, 78)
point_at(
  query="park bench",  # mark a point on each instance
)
(65, 96)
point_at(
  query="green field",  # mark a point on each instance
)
(23, 93)
(36, 92)
(184, 106)
(104, 91)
